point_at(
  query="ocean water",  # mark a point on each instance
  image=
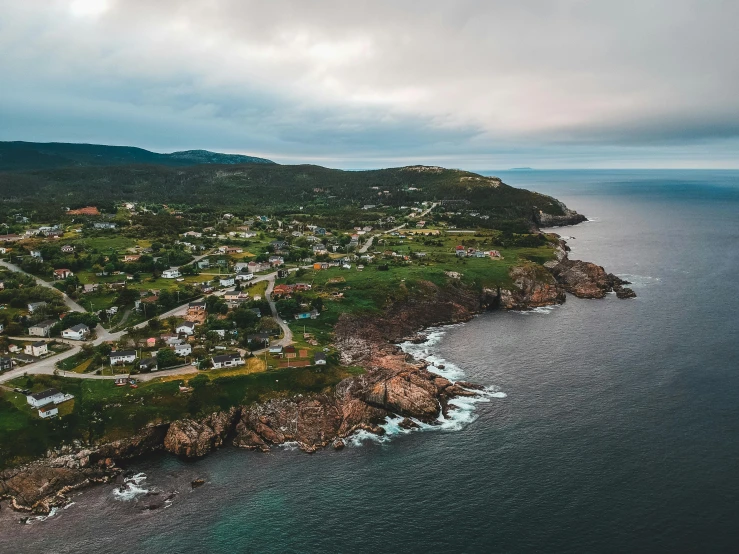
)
(607, 426)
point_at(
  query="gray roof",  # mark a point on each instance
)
(225, 358)
(45, 394)
(121, 353)
(38, 343)
(79, 327)
(320, 356)
(46, 323)
(190, 324)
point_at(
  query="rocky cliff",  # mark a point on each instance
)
(392, 385)
(568, 217)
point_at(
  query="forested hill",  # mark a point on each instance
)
(29, 156)
(271, 189)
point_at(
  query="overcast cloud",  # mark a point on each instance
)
(476, 84)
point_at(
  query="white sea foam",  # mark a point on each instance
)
(33, 519)
(290, 445)
(131, 488)
(537, 310)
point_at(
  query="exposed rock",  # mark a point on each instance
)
(408, 423)
(195, 483)
(339, 444)
(567, 217)
(534, 287)
(193, 439)
(588, 280)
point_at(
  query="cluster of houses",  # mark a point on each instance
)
(75, 332)
(464, 252)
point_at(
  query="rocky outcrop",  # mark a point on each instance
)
(192, 439)
(567, 217)
(533, 287)
(39, 486)
(588, 280)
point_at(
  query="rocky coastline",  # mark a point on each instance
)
(394, 385)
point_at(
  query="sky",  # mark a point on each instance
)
(473, 84)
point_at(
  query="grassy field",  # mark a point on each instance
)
(102, 411)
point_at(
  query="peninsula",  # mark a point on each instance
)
(192, 301)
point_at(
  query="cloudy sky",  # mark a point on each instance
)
(478, 84)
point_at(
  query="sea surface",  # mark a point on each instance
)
(608, 426)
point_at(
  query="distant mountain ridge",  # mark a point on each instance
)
(30, 156)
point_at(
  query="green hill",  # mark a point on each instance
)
(28, 156)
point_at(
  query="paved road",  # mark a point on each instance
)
(67, 300)
(48, 365)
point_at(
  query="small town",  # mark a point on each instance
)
(87, 298)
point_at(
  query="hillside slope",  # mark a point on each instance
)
(30, 156)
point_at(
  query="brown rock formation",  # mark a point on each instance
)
(193, 439)
(534, 287)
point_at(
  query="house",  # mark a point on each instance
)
(313, 314)
(193, 234)
(62, 273)
(319, 358)
(262, 338)
(275, 351)
(151, 342)
(282, 290)
(36, 349)
(49, 396)
(171, 273)
(131, 257)
(104, 225)
(241, 266)
(76, 332)
(48, 411)
(276, 260)
(10, 238)
(36, 254)
(235, 295)
(6, 364)
(120, 357)
(148, 364)
(227, 282)
(186, 328)
(67, 248)
(220, 332)
(227, 360)
(461, 251)
(196, 306)
(244, 277)
(182, 349)
(203, 264)
(319, 249)
(41, 329)
(278, 244)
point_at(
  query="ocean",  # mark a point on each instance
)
(608, 426)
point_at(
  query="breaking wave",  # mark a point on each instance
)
(462, 409)
(131, 488)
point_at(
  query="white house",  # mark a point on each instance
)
(320, 358)
(227, 282)
(41, 329)
(245, 277)
(171, 273)
(186, 327)
(122, 357)
(36, 349)
(77, 332)
(48, 411)
(227, 360)
(182, 349)
(49, 396)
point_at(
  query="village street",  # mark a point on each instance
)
(47, 366)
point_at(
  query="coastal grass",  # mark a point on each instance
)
(103, 412)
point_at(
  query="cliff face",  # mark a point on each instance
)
(38, 486)
(569, 217)
(586, 279)
(392, 385)
(534, 287)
